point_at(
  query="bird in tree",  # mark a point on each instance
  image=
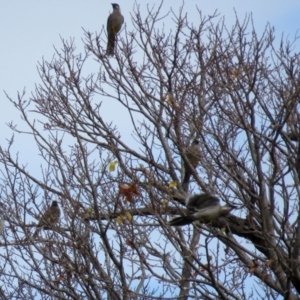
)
(204, 208)
(49, 219)
(193, 156)
(114, 23)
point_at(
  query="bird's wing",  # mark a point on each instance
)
(208, 214)
(200, 202)
(44, 220)
(114, 22)
(193, 155)
(49, 217)
(110, 20)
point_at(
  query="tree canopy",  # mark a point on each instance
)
(112, 145)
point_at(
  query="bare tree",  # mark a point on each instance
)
(233, 90)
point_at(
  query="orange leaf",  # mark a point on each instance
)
(268, 262)
(253, 268)
(59, 278)
(128, 191)
(235, 73)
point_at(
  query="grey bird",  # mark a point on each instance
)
(204, 208)
(114, 24)
(49, 218)
(193, 155)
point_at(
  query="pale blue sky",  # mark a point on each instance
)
(29, 30)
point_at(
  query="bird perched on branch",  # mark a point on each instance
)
(204, 208)
(49, 218)
(114, 23)
(193, 156)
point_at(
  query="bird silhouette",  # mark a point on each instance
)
(114, 24)
(49, 218)
(204, 208)
(193, 156)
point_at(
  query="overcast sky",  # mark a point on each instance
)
(30, 29)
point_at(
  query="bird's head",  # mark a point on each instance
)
(54, 203)
(115, 6)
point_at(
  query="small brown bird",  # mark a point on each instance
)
(49, 218)
(193, 155)
(114, 24)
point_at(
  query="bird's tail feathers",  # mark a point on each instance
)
(110, 50)
(180, 221)
(186, 180)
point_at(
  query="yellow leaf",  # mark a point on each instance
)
(89, 211)
(164, 203)
(120, 219)
(112, 166)
(168, 98)
(129, 216)
(172, 184)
